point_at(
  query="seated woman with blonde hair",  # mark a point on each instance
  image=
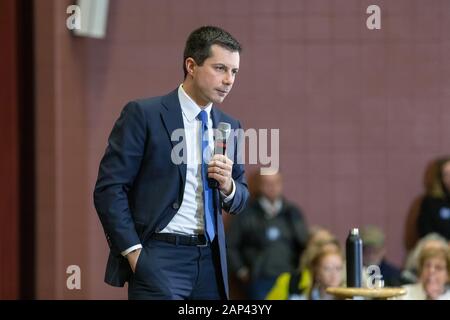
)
(298, 284)
(434, 271)
(324, 270)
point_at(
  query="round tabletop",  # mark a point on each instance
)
(377, 293)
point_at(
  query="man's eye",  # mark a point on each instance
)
(220, 68)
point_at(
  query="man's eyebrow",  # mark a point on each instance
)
(224, 65)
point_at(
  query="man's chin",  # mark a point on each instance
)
(218, 100)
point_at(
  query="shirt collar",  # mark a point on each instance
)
(270, 209)
(189, 108)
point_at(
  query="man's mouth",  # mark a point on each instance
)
(222, 91)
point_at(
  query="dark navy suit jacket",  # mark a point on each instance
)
(139, 189)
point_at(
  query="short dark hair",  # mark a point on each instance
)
(199, 42)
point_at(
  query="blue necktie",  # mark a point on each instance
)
(210, 220)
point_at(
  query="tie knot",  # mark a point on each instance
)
(203, 117)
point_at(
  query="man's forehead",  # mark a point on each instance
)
(224, 56)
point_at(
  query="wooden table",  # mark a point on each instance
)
(376, 293)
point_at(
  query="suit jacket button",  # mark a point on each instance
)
(175, 205)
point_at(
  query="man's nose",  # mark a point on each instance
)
(228, 79)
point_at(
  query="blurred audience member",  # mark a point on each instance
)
(318, 237)
(410, 273)
(374, 252)
(266, 239)
(326, 267)
(298, 284)
(434, 271)
(434, 215)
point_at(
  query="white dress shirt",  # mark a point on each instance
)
(189, 220)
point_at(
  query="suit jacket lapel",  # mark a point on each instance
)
(172, 118)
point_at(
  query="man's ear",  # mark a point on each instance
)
(190, 65)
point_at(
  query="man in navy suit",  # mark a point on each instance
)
(162, 220)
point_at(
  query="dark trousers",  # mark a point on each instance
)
(167, 271)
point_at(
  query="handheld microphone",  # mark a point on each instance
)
(220, 146)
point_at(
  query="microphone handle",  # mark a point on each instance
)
(213, 183)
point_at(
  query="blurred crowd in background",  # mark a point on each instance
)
(274, 253)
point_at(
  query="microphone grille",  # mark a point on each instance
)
(225, 129)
